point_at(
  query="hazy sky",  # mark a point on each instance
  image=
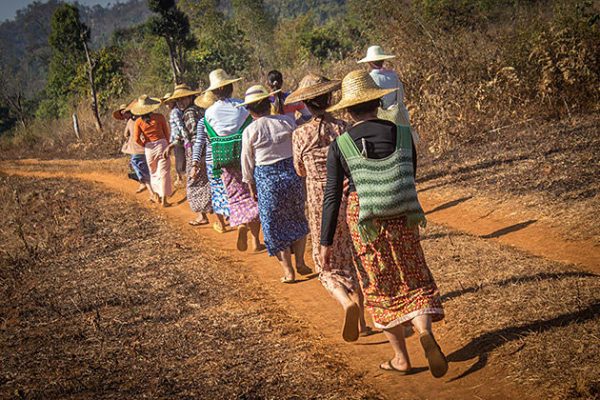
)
(8, 8)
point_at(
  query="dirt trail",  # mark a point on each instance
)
(309, 300)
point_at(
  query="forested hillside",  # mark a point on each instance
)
(469, 67)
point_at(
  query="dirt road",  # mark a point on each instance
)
(488, 333)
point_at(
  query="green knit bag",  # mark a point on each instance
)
(385, 187)
(226, 150)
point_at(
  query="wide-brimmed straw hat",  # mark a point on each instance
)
(311, 86)
(145, 105)
(118, 113)
(206, 100)
(182, 91)
(219, 78)
(256, 93)
(358, 87)
(375, 53)
(166, 97)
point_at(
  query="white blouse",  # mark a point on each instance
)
(266, 141)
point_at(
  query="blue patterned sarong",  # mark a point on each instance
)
(140, 167)
(281, 200)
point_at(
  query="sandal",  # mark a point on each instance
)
(387, 366)
(304, 270)
(287, 280)
(195, 222)
(350, 329)
(368, 332)
(438, 365)
(242, 241)
(219, 228)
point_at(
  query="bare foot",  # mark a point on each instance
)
(304, 269)
(141, 188)
(259, 248)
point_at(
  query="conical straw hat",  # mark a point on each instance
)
(256, 93)
(118, 114)
(312, 86)
(358, 87)
(206, 100)
(375, 53)
(182, 91)
(145, 105)
(219, 78)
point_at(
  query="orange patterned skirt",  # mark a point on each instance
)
(395, 279)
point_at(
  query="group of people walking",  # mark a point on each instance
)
(282, 162)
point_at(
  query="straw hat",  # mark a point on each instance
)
(256, 93)
(165, 98)
(118, 114)
(182, 91)
(375, 53)
(206, 100)
(312, 86)
(145, 105)
(358, 87)
(219, 78)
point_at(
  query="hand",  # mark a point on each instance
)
(253, 193)
(325, 256)
(193, 173)
(167, 152)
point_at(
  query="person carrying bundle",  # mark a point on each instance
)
(384, 216)
(222, 126)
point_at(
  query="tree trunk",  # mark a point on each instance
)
(173, 59)
(91, 68)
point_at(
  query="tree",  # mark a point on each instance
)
(173, 25)
(68, 41)
(258, 26)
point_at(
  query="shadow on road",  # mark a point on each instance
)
(509, 229)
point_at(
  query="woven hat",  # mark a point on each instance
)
(145, 105)
(358, 87)
(375, 53)
(166, 97)
(219, 78)
(182, 91)
(206, 100)
(118, 114)
(311, 86)
(256, 93)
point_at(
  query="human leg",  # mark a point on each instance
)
(401, 361)
(299, 247)
(285, 260)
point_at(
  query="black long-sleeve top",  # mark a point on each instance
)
(380, 142)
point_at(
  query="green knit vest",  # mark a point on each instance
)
(226, 150)
(385, 187)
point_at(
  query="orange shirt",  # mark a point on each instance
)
(152, 131)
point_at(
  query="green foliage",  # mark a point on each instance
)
(256, 26)
(173, 26)
(66, 35)
(328, 43)
(109, 79)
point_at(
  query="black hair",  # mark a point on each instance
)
(260, 107)
(319, 104)
(275, 81)
(224, 92)
(365, 108)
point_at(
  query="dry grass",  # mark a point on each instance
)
(538, 319)
(88, 309)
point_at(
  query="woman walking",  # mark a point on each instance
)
(152, 133)
(223, 124)
(384, 215)
(177, 141)
(220, 202)
(268, 167)
(138, 158)
(278, 100)
(392, 104)
(310, 144)
(198, 187)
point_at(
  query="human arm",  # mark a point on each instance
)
(247, 158)
(137, 133)
(198, 146)
(332, 197)
(297, 147)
